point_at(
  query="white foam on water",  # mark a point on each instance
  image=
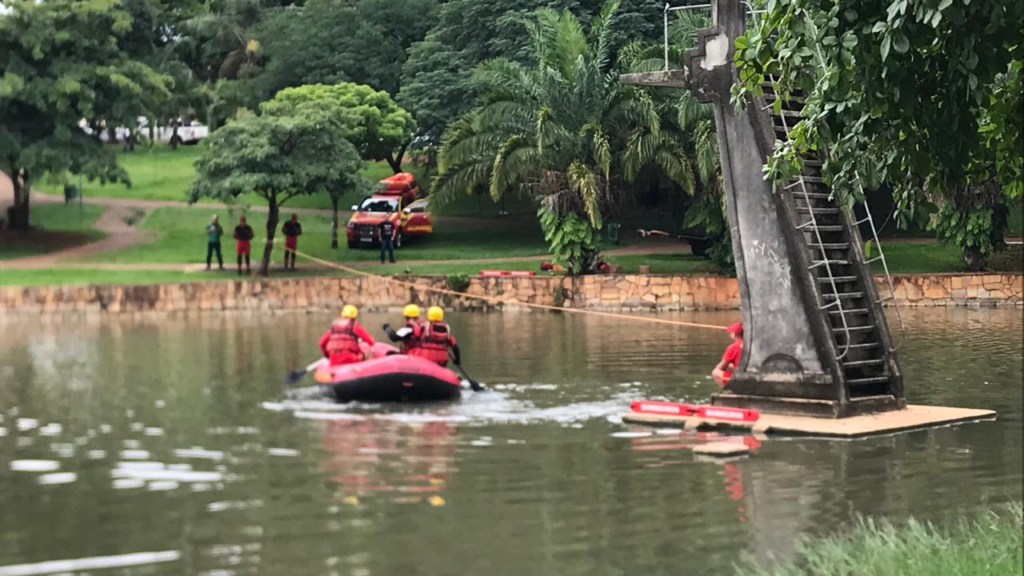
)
(96, 454)
(201, 487)
(179, 467)
(163, 474)
(631, 434)
(196, 452)
(3, 431)
(24, 441)
(162, 485)
(141, 465)
(34, 465)
(273, 406)
(135, 454)
(137, 426)
(234, 505)
(240, 430)
(105, 428)
(82, 440)
(668, 431)
(63, 450)
(326, 415)
(282, 452)
(58, 478)
(93, 563)
(160, 404)
(52, 429)
(131, 444)
(26, 424)
(153, 431)
(481, 442)
(128, 483)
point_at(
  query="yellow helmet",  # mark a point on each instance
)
(435, 314)
(411, 311)
(349, 311)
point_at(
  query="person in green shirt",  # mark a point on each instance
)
(213, 234)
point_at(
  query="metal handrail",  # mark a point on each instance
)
(885, 266)
(813, 222)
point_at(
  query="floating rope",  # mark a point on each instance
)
(500, 300)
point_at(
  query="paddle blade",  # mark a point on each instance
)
(294, 376)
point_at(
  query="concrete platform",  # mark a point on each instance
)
(913, 417)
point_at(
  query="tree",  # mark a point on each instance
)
(899, 91)
(370, 119)
(277, 157)
(66, 61)
(559, 130)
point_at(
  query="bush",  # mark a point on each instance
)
(457, 282)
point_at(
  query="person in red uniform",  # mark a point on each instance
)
(410, 334)
(436, 339)
(340, 344)
(291, 230)
(243, 244)
(731, 359)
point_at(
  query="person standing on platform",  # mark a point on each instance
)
(291, 230)
(213, 233)
(243, 244)
(731, 359)
(386, 232)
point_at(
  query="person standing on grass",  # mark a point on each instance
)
(243, 244)
(386, 232)
(731, 359)
(213, 234)
(291, 230)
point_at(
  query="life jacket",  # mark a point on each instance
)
(411, 345)
(434, 342)
(343, 338)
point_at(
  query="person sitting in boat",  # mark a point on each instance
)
(437, 338)
(340, 344)
(409, 334)
(731, 359)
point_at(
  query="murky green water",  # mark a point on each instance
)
(173, 436)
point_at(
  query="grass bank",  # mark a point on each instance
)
(58, 226)
(987, 544)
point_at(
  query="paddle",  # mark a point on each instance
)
(295, 375)
(472, 383)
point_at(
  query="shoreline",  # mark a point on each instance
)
(609, 293)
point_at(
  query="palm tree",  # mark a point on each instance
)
(563, 130)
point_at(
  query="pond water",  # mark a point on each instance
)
(175, 438)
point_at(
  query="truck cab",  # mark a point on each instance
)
(395, 200)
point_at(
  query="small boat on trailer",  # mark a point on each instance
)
(387, 376)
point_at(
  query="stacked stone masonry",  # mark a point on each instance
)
(609, 293)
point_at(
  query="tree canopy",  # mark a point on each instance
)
(63, 62)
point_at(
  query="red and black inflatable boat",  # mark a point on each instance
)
(387, 376)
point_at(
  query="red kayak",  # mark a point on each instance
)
(387, 376)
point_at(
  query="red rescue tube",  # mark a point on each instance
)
(701, 411)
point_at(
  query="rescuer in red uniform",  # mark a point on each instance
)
(731, 359)
(436, 339)
(340, 344)
(409, 334)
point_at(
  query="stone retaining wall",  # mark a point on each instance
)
(620, 292)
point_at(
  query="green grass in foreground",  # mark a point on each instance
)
(59, 226)
(919, 258)
(180, 239)
(987, 545)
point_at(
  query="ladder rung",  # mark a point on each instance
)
(853, 329)
(830, 245)
(836, 262)
(844, 295)
(810, 195)
(864, 345)
(790, 114)
(861, 363)
(875, 259)
(859, 222)
(808, 210)
(830, 228)
(869, 380)
(837, 279)
(851, 312)
(812, 163)
(812, 179)
(772, 96)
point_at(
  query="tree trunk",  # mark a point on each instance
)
(174, 134)
(152, 132)
(18, 213)
(334, 222)
(395, 159)
(268, 247)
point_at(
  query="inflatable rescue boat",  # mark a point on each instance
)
(387, 376)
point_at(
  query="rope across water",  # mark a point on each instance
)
(500, 300)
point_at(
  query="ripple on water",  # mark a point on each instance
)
(34, 465)
(58, 478)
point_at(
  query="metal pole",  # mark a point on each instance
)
(666, 34)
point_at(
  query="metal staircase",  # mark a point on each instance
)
(839, 269)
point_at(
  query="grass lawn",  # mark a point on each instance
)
(180, 239)
(59, 226)
(982, 544)
(919, 258)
